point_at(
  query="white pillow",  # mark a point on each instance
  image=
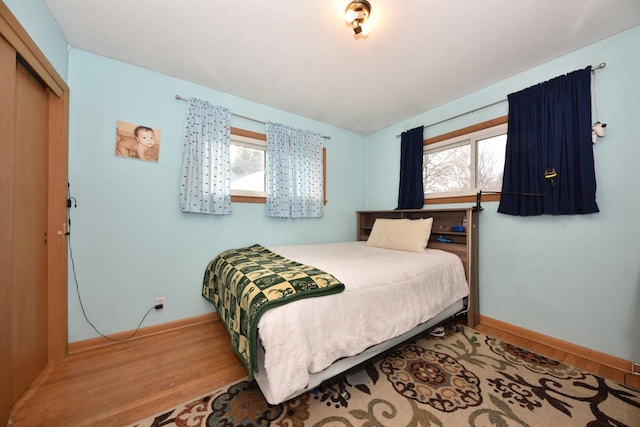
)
(401, 234)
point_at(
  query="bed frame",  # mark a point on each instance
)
(462, 244)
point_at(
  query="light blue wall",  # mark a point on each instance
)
(35, 17)
(576, 278)
(130, 240)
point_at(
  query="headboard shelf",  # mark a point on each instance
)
(463, 244)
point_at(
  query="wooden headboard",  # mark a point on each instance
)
(463, 244)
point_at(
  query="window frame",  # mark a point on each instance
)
(457, 137)
(240, 196)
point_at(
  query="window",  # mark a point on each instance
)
(490, 161)
(446, 169)
(248, 160)
(459, 164)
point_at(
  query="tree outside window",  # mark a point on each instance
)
(465, 164)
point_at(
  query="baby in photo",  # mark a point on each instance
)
(143, 139)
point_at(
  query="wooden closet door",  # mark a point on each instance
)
(29, 322)
(25, 169)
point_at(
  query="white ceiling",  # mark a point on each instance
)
(301, 57)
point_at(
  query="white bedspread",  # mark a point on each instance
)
(386, 293)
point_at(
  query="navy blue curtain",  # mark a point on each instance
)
(550, 127)
(411, 192)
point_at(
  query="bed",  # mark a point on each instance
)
(389, 295)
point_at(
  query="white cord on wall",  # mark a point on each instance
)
(595, 96)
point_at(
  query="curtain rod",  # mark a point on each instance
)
(241, 116)
(233, 114)
(593, 70)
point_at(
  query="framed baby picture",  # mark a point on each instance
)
(137, 141)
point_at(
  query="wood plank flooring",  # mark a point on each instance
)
(122, 383)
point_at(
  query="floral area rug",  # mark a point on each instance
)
(461, 379)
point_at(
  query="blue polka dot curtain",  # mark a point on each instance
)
(294, 172)
(205, 183)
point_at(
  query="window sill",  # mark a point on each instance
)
(461, 199)
(248, 199)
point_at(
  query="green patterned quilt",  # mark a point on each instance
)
(243, 283)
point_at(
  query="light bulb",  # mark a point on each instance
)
(365, 28)
(350, 16)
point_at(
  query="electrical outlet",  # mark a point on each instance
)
(159, 303)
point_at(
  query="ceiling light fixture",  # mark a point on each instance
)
(356, 15)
